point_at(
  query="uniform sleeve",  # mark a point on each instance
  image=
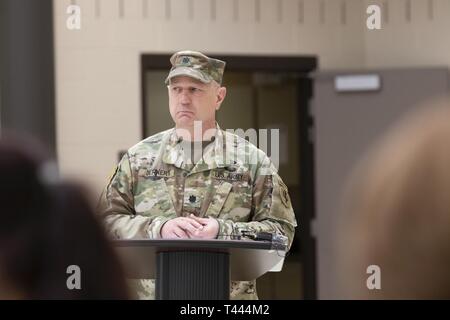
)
(116, 206)
(271, 206)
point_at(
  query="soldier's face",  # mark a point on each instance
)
(192, 100)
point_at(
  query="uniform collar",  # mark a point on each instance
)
(218, 156)
(173, 154)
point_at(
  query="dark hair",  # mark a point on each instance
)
(45, 228)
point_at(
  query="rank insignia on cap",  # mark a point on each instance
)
(185, 60)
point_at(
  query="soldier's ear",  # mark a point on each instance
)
(221, 93)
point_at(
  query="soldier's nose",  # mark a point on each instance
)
(185, 98)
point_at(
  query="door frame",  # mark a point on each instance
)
(301, 64)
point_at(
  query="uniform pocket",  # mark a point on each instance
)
(218, 199)
(154, 199)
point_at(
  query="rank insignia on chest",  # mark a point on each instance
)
(192, 200)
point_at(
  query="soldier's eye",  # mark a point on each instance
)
(196, 90)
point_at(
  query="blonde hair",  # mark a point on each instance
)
(396, 211)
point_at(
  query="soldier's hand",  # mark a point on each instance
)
(209, 231)
(180, 228)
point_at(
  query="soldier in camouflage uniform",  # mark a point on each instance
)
(159, 191)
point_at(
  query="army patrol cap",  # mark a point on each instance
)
(196, 65)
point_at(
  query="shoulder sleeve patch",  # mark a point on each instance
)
(284, 194)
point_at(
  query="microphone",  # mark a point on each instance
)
(278, 241)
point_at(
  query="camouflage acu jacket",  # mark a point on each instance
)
(234, 182)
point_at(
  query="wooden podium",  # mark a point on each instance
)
(197, 269)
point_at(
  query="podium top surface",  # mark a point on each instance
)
(248, 259)
(194, 243)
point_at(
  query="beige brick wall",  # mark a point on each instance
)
(413, 33)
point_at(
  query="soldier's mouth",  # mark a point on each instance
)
(185, 113)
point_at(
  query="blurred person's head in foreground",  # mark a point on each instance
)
(396, 212)
(47, 226)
